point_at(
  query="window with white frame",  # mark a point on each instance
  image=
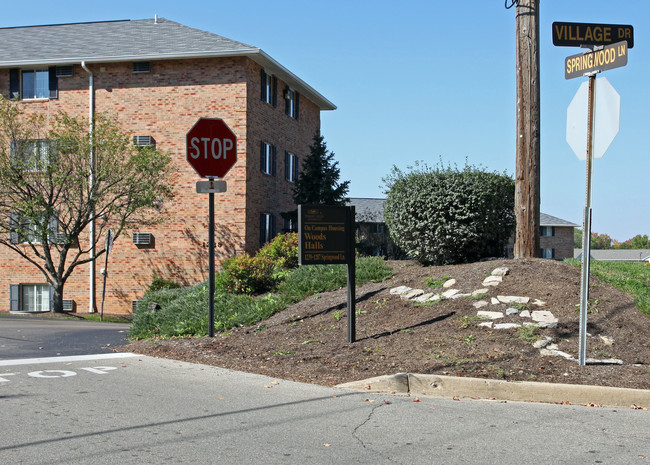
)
(33, 155)
(35, 84)
(269, 93)
(31, 84)
(29, 229)
(291, 102)
(547, 231)
(34, 297)
(267, 227)
(267, 158)
(547, 253)
(290, 167)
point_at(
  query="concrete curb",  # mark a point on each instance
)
(519, 391)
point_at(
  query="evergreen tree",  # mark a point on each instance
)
(318, 183)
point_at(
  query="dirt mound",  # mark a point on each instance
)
(307, 341)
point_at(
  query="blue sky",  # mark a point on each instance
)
(430, 80)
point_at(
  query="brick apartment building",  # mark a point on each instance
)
(159, 77)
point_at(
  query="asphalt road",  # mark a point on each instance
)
(22, 337)
(145, 410)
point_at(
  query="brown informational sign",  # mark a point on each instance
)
(577, 34)
(611, 56)
(325, 234)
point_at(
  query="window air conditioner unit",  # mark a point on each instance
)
(144, 141)
(69, 305)
(142, 238)
(64, 71)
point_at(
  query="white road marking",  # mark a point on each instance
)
(72, 358)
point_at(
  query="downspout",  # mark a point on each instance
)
(91, 128)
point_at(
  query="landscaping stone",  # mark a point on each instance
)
(541, 343)
(486, 324)
(525, 314)
(460, 296)
(511, 299)
(449, 283)
(608, 341)
(400, 290)
(478, 292)
(502, 271)
(544, 318)
(480, 304)
(412, 294)
(506, 325)
(450, 293)
(511, 311)
(492, 281)
(489, 315)
(424, 297)
(435, 297)
(539, 303)
(494, 301)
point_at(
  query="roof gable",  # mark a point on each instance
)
(138, 40)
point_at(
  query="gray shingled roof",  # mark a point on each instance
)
(548, 220)
(368, 210)
(372, 211)
(145, 40)
(617, 255)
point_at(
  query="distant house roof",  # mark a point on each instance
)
(548, 220)
(369, 210)
(147, 39)
(621, 255)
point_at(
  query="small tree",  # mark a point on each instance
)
(318, 183)
(50, 191)
(444, 215)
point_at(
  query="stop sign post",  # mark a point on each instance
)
(211, 151)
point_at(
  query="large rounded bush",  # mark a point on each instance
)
(445, 215)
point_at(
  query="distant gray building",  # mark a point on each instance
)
(617, 255)
(556, 235)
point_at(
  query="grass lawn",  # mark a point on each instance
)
(631, 277)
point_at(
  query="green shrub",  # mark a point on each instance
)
(159, 283)
(248, 275)
(445, 215)
(283, 251)
(184, 312)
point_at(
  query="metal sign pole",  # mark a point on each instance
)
(211, 262)
(108, 247)
(586, 230)
(352, 277)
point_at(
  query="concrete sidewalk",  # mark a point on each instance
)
(521, 391)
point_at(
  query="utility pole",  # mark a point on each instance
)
(527, 184)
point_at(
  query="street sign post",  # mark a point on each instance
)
(108, 246)
(211, 150)
(609, 44)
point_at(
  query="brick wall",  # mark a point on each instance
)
(165, 104)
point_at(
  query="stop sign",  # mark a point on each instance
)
(211, 148)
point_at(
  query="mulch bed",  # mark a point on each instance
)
(308, 341)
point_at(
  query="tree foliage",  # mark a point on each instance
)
(50, 191)
(318, 183)
(444, 215)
